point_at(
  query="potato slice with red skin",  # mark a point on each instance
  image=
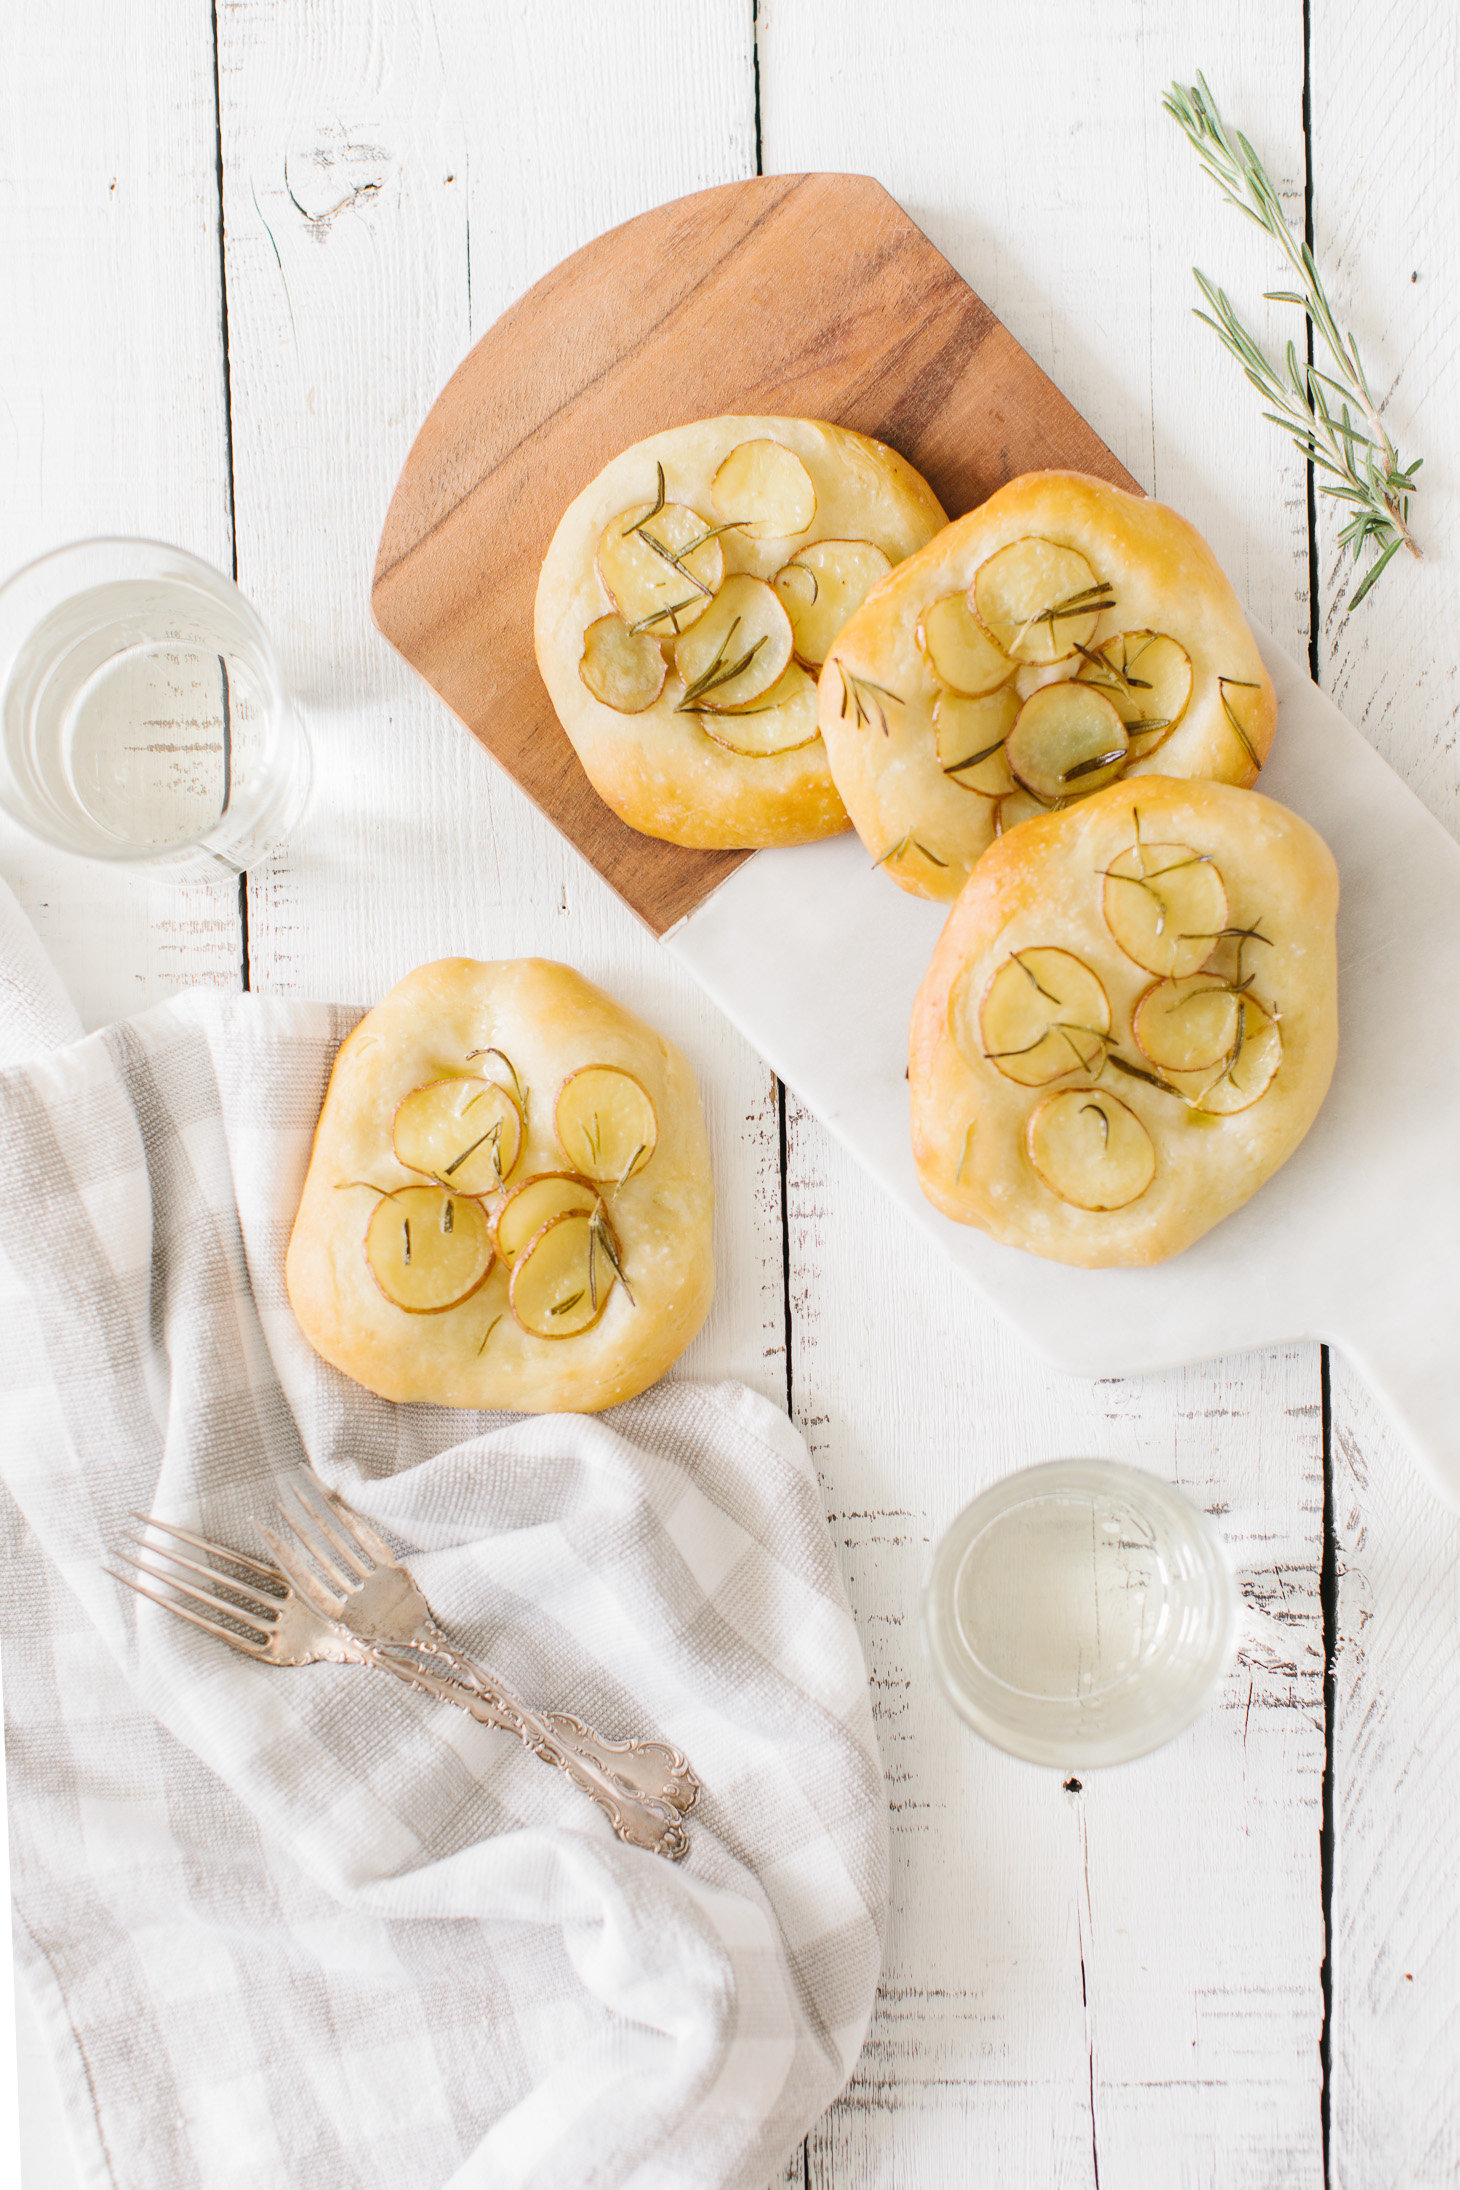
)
(625, 669)
(971, 737)
(782, 721)
(531, 1205)
(1042, 1017)
(1090, 1149)
(1019, 805)
(841, 573)
(1147, 678)
(1067, 741)
(959, 651)
(662, 568)
(1039, 602)
(605, 1124)
(1166, 906)
(766, 490)
(1186, 1025)
(465, 1131)
(427, 1248)
(561, 1279)
(1244, 1073)
(736, 651)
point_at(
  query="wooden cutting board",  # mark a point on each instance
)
(812, 295)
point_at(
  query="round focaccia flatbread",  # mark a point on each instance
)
(1129, 1022)
(509, 1201)
(934, 702)
(687, 602)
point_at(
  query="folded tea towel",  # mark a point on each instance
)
(305, 1927)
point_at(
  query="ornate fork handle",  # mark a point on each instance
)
(640, 1819)
(653, 1769)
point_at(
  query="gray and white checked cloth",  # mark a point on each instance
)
(307, 1928)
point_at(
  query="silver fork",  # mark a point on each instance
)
(278, 1626)
(370, 1593)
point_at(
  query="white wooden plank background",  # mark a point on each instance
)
(1122, 1982)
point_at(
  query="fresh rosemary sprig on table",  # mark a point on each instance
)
(1350, 449)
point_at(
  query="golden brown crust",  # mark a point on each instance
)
(657, 769)
(550, 1022)
(1040, 887)
(1165, 578)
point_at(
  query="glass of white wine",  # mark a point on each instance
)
(1080, 1613)
(143, 715)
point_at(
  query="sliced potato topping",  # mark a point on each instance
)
(1043, 1016)
(605, 1123)
(625, 669)
(562, 1278)
(1186, 1025)
(1244, 1072)
(1147, 679)
(466, 1132)
(971, 737)
(960, 652)
(1166, 906)
(1018, 806)
(1039, 601)
(662, 566)
(1089, 1149)
(738, 648)
(766, 490)
(428, 1248)
(781, 721)
(1068, 740)
(530, 1206)
(824, 585)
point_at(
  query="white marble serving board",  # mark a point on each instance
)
(817, 959)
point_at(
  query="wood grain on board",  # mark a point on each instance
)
(812, 295)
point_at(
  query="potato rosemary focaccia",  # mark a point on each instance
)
(1129, 1022)
(1062, 637)
(687, 602)
(509, 1200)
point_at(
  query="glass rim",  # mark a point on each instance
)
(1045, 1752)
(38, 588)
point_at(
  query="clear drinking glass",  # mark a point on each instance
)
(1080, 1613)
(143, 716)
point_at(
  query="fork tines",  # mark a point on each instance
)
(253, 1619)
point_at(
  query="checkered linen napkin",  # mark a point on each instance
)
(305, 1927)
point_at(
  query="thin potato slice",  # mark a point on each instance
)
(466, 1132)
(960, 652)
(1245, 1072)
(625, 669)
(737, 650)
(1166, 906)
(662, 566)
(1146, 677)
(972, 736)
(428, 1249)
(1186, 1025)
(1090, 1150)
(841, 573)
(1067, 742)
(1038, 601)
(605, 1123)
(1043, 1016)
(782, 721)
(764, 489)
(1016, 807)
(562, 1279)
(535, 1202)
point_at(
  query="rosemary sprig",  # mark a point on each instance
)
(862, 710)
(1352, 455)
